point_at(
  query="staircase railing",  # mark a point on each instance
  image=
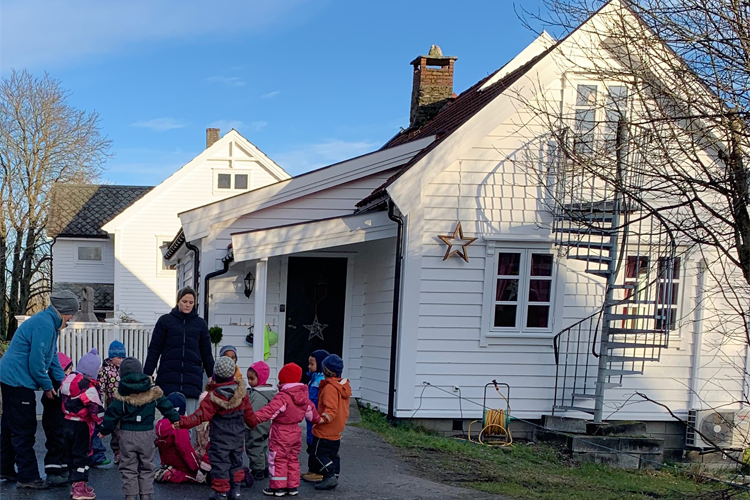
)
(576, 362)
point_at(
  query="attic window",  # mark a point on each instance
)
(240, 181)
(224, 181)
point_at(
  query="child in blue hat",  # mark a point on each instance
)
(109, 380)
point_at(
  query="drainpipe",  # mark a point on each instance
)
(196, 265)
(396, 303)
(226, 261)
(698, 336)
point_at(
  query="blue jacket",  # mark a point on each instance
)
(31, 357)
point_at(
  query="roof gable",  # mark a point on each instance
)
(80, 210)
(233, 137)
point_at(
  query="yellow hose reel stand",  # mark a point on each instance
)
(495, 422)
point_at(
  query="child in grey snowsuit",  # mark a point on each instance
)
(256, 439)
(134, 408)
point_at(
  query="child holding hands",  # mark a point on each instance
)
(136, 400)
(228, 408)
(286, 410)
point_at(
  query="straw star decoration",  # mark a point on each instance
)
(458, 241)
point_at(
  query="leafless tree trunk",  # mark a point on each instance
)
(43, 140)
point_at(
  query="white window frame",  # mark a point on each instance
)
(232, 172)
(571, 102)
(97, 263)
(496, 246)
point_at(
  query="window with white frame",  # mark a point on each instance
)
(232, 181)
(597, 109)
(662, 290)
(89, 254)
(522, 291)
(161, 263)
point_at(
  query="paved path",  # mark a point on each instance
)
(371, 471)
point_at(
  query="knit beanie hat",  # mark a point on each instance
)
(262, 370)
(224, 369)
(64, 301)
(65, 360)
(178, 401)
(226, 349)
(319, 356)
(117, 350)
(333, 366)
(89, 364)
(129, 366)
(290, 373)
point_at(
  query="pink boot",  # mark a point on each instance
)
(80, 491)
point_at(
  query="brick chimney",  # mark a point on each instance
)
(212, 135)
(433, 86)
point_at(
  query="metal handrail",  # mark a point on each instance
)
(556, 338)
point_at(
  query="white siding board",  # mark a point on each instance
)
(66, 269)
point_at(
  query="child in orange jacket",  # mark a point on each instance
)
(333, 407)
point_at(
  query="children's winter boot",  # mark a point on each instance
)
(131, 497)
(215, 495)
(234, 492)
(328, 483)
(292, 492)
(146, 497)
(79, 491)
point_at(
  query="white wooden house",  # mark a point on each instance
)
(351, 257)
(112, 237)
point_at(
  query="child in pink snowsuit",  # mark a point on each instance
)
(286, 410)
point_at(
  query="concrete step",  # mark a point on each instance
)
(564, 424)
(582, 409)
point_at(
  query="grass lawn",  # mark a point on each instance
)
(538, 472)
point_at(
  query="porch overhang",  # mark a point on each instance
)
(313, 235)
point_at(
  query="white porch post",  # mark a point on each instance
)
(259, 330)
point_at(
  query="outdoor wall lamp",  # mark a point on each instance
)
(249, 284)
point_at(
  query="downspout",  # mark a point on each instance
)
(396, 303)
(226, 261)
(52, 265)
(697, 336)
(196, 265)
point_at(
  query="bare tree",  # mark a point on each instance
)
(43, 140)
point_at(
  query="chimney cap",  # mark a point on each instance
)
(434, 57)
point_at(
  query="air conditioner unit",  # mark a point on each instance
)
(725, 429)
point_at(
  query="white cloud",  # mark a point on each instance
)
(271, 95)
(232, 81)
(161, 124)
(54, 33)
(311, 156)
(239, 125)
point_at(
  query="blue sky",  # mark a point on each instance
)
(310, 82)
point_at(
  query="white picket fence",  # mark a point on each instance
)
(79, 338)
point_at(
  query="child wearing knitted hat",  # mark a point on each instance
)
(286, 411)
(228, 408)
(134, 409)
(333, 405)
(315, 375)
(83, 410)
(109, 378)
(53, 422)
(256, 440)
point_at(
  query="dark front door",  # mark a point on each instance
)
(315, 300)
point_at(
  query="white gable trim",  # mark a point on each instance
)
(154, 194)
(310, 236)
(197, 223)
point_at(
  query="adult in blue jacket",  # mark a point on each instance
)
(29, 364)
(181, 341)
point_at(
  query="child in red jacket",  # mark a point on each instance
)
(179, 461)
(286, 410)
(83, 410)
(228, 408)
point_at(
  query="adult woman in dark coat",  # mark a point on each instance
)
(182, 342)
